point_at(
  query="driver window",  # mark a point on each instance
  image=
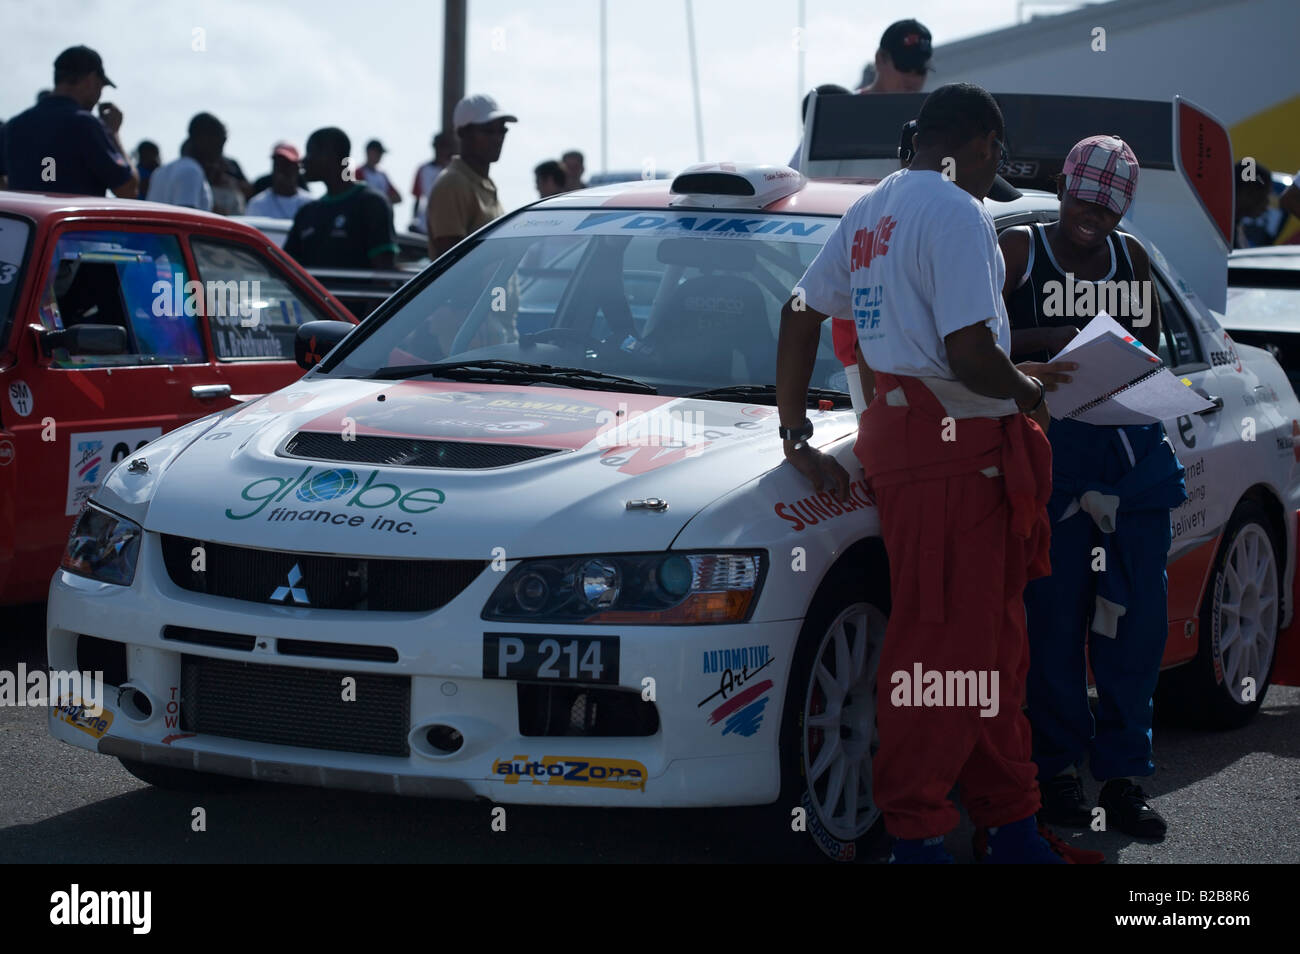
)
(137, 281)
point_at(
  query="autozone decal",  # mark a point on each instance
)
(817, 508)
(562, 770)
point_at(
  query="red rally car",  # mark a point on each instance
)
(121, 320)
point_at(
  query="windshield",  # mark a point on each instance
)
(680, 300)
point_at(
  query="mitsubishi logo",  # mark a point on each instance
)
(298, 593)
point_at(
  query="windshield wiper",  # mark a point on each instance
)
(766, 394)
(501, 371)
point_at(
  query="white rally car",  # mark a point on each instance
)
(527, 535)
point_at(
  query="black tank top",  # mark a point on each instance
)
(1025, 306)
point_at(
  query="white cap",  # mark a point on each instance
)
(476, 109)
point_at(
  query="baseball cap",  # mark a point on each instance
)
(1102, 169)
(77, 61)
(375, 144)
(284, 150)
(476, 109)
(908, 44)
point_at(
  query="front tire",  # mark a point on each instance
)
(828, 728)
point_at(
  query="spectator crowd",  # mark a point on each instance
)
(69, 143)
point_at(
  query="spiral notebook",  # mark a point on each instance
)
(1118, 380)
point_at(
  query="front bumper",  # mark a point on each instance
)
(691, 760)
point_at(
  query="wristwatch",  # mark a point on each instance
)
(798, 434)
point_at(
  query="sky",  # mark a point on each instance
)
(277, 69)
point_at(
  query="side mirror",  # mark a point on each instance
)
(315, 339)
(85, 339)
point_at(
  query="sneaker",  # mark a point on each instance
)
(1127, 810)
(1019, 843)
(1072, 855)
(919, 851)
(1064, 802)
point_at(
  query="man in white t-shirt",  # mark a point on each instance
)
(960, 476)
(284, 197)
(184, 181)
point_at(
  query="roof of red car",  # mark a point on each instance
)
(39, 206)
(817, 197)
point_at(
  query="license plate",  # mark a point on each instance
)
(536, 658)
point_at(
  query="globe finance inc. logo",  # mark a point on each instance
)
(356, 492)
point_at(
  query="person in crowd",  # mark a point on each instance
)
(284, 197)
(351, 226)
(953, 450)
(902, 60)
(463, 199)
(148, 157)
(230, 187)
(575, 167)
(1254, 189)
(372, 176)
(550, 178)
(186, 180)
(59, 145)
(444, 147)
(1112, 490)
(901, 65)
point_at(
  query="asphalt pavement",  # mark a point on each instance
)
(1230, 798)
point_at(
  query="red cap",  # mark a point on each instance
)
(825, 405)
(285, 151)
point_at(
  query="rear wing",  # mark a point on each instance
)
(1185, 194)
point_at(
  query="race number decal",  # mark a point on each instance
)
(20, 398)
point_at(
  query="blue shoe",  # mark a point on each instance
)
(1019, 843)
(919, 851)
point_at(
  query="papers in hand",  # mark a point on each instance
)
(1118, 381)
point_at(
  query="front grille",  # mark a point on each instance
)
(550, 710)
(408, 452)
(285, 705)
(322, 582)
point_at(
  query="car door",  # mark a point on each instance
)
(253, 313)
(83, 412)
(1210, 446)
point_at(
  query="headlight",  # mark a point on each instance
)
(635, 588)
(103, 546)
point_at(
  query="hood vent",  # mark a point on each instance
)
(410, 452)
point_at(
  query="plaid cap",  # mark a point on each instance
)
(1102, 169)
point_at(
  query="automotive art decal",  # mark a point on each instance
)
(740, 698)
